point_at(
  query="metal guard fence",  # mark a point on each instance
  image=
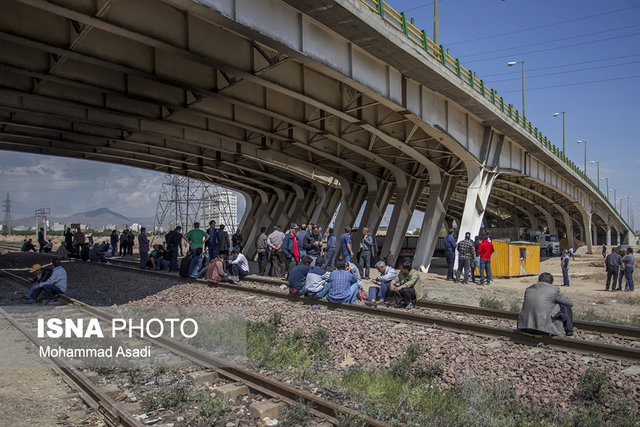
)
(399, 21)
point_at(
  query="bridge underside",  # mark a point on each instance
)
(173, 87)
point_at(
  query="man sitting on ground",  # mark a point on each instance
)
(27, 246)
(387, 274)
(407, 287)
(239, 265)
(298, 276)
(545, 310)
(54, 285)
(84, 252)
(215, 270)
(95, 255)
(343, 284)
(317, 283)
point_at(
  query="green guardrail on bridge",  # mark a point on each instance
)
(399, 21)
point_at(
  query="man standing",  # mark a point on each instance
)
(545, 310)
(300, 236)
(466, 252)
(564, 265)
(212, 240)
(332, 247)
(114, 242)
(604, 250)
(131, 239)
(41, 240)
(173, 241)
(123, 243)
(195, 237)
(78, 240)
(223, 241)
(368, 251)
(274, 241)
(345, 245)
(143, 247)
(628, 261)
(450, 253)
(485, 249)
(312, 243)
(263, 251)
(290, 248)
(612, 265)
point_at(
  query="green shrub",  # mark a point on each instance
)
(591, 383)
(491, 302)
(210, 409)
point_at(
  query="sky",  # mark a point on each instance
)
(581, 57)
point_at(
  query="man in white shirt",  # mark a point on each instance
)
(239, 265)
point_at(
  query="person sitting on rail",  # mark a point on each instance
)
(27, 246)
(352, 267)
(62, 252)
(378, 294)
(48, 247)
(215, 270)
(41, 273)
(84, 252)
(239, 265)
(53, 286)
(407, 287)
(104, 247)
(196, 262)
(298, 276)
(317, 284)
(96, 256)
(545, 310)
(343, 285)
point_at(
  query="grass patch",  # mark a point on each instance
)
(591, 383)
(209, 410)
(593, 316)
(175, 397)
(269, 349)
(491, 302)
(297, 415)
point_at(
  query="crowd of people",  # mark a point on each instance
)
(472, 254)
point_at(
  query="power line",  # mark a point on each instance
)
(537, 43)
(566, 65)
(578, 83)
(543, 26)
(556, 48)
(565, 72)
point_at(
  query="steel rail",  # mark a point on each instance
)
(560, 343)
(233, 372)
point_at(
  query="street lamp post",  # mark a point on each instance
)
(597, 163)
(435, 22)
(563, 132)
(511, 64)
(607, 181)
(585, 154)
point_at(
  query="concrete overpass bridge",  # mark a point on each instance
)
(305, 107)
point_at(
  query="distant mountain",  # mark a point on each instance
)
(96, 218)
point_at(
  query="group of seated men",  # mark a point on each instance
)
(395, 289)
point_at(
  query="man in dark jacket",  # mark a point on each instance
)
(450, 253)
(290, 248)
(332, 247)
(41, 240)
(263, 251)
(612, 264)
(211, 240)
(298, 276)
(466, 252)
(114, 242)
(223, 241)
(143, 247)
(312, 243)
(173, 241)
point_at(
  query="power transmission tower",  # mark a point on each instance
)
(179, 202)
(6, 205)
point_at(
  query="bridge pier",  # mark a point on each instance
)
(257, 217)
(586, 219)
(608, 237)
(476, 202)
(568, 224)
(403, 208)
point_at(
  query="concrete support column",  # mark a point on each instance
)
(334, 195)
(586, 219)
(377, 202)
(551, 222)
(476, 202)
(349, 207)
(402, 211)
(608, 236)
(439, 197)
(568, 223)
(257, 214)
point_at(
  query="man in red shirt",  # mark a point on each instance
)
(485, 250)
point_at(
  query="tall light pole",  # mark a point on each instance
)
(585, 154)
(607, 181)
(511, 64)
(597, 163)
(563, 132)
(435, 22)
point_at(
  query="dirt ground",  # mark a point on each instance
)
(586, 275)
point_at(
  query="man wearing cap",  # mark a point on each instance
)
(54, 285)
(345, 245)
(290, 248)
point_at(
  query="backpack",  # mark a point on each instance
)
(184, 266)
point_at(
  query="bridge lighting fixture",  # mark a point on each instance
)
(607, 181)
(563, 132)
(597, 163)
(585, 154)
(511, 64)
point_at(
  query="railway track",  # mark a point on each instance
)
(560, 343)
(229, 372)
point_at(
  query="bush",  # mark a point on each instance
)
(210, 409)
(491, 302)
(591, 383)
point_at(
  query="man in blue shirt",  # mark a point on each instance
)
(450, 253)
(54, 285)
(298, 276)
(211, 241)
(345, 245)
(332, 247)
(343, 285)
